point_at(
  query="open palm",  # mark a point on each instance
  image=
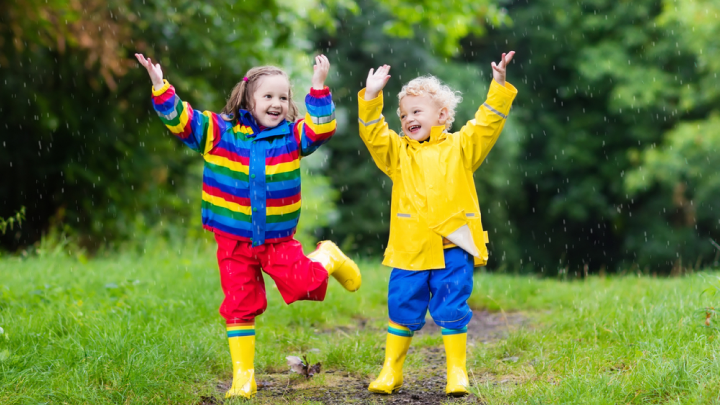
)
(376, 81)
(155, 71)
(320, 73)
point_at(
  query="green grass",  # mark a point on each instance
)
(144, 329)
(604, 341)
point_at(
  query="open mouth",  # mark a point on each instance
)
(274, 114)
(413, 128)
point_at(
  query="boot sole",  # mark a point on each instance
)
(385, 392)
(228, 396)
(457, 393)
(342, 283)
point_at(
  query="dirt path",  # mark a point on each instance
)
(421, 387)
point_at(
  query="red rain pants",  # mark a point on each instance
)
(297, 277)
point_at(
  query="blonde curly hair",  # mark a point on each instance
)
(440, 93)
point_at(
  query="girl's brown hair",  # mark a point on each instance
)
(241, 97)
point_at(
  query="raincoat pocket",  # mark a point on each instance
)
(403, 233)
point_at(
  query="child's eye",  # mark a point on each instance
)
(416, 111)
(283, 98)
(268, 96)
(402, 117)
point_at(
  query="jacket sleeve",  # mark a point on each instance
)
(382, 142)
(199, 131)
(319, 124)
(479, 135)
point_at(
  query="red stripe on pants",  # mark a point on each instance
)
(297, 277)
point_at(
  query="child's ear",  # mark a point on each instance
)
(444, 115)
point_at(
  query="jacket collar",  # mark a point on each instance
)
(246, 118)
(437, 134)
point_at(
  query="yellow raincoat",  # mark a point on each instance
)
(433, 191)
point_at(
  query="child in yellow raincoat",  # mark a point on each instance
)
(436, 237)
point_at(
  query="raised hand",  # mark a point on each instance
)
(376, 81)
(155, 72)
(322, 67)
(499, 69)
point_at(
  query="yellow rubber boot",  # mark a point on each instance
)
(337, 265)
(242, 350)
(396, 347)
(455, 351)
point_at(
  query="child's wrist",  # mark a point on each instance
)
(370, 95)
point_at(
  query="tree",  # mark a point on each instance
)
(681, 172)
(601, 83)
(83, 148)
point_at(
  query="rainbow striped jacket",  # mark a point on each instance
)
(251, 179)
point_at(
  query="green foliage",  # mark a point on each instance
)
(601, 85)
(87, 152)
(84, 147)
(607, 160)
(684, 172)
(10, 222)
(443, 24)
(681, 170)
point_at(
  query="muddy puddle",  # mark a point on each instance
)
(421, 386)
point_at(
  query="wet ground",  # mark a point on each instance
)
(422, 386)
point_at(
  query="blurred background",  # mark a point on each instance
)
(608, 162)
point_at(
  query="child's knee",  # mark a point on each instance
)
(308, 289)
(406, 313)
(451, 318)
(242, 312)
(412, 324)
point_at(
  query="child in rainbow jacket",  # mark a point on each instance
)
(251, 196)
(436, 237)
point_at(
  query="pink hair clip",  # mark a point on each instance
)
(245, 79)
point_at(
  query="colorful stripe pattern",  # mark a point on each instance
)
(453, 331)
(399, 330)
(240, 329)
(251, 181)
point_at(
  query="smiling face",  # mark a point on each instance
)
(418, 114)
(271, 100)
